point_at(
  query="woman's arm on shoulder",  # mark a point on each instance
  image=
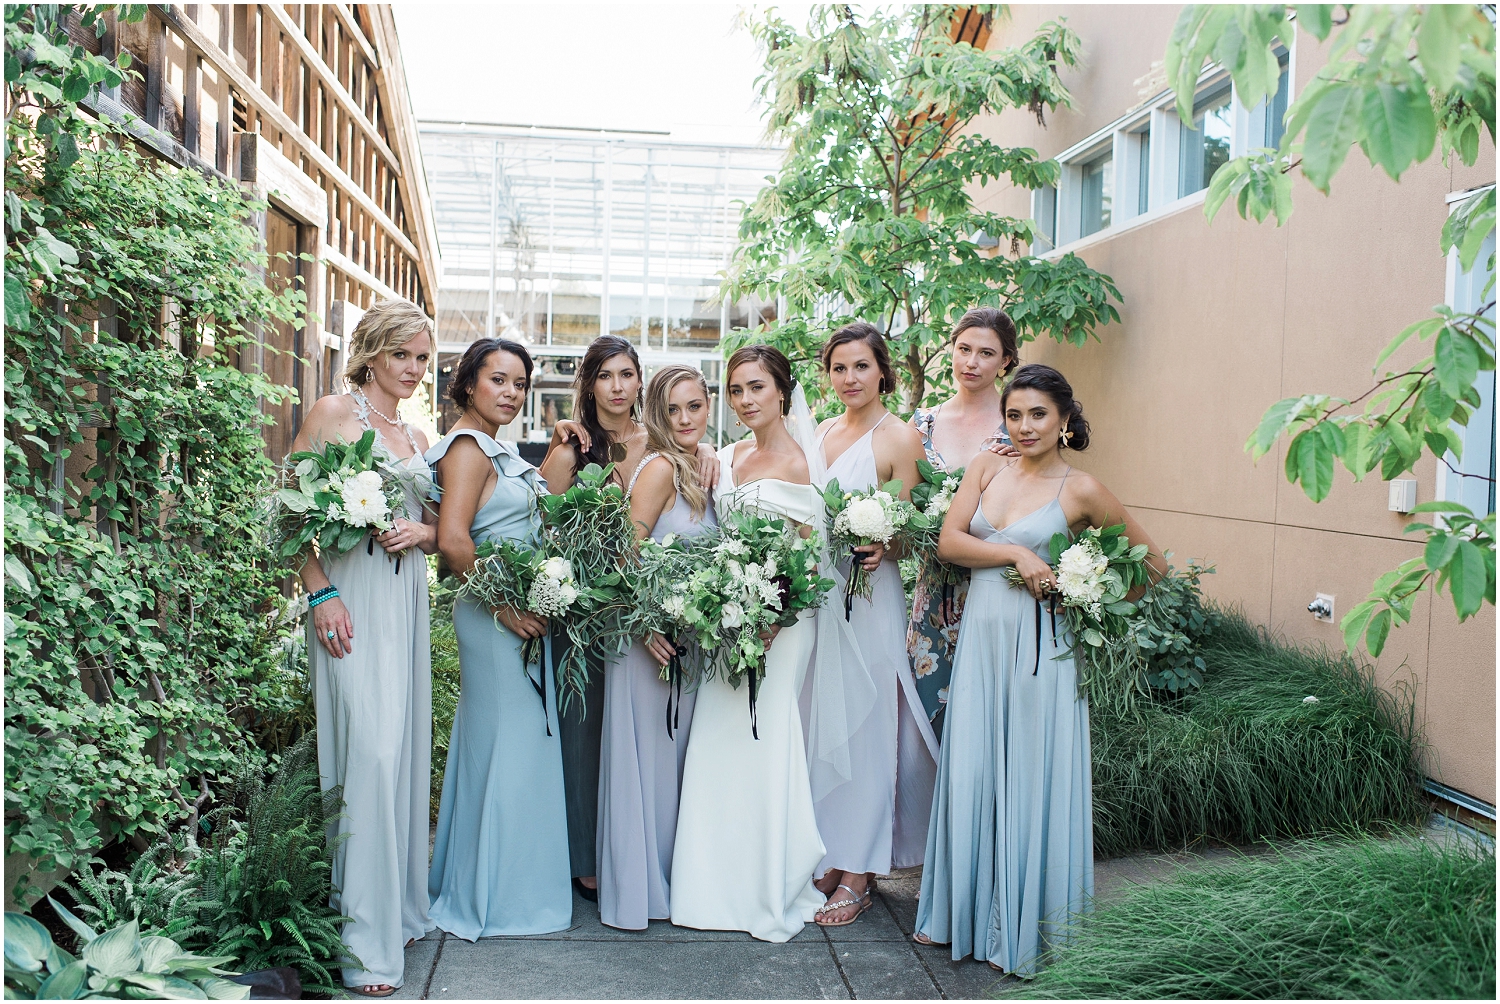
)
(1098, 507)
(654, 490)
(558, 468)
(330, 416)
(465, 469)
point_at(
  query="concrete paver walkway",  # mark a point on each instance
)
(872, 959)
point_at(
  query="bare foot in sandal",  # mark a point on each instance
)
(374, 990)
(846, 903)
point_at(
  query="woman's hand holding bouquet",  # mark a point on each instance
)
(859, 519)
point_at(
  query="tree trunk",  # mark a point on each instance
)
(916, 379)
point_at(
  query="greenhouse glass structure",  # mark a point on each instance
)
(553, 237)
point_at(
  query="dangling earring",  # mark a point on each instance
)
(367, 376)
(1062, 440)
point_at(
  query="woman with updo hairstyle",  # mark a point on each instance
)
(747, 837)
(874, 819)
(983, 346)
(500, 855)
(1010, 849)
(373, 693)
(641, 762)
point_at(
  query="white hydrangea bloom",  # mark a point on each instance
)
(732, 615)
(675, 605)
(868, 519)
(550, 597)
(558, 568)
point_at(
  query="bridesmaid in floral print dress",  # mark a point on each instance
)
(953, 434)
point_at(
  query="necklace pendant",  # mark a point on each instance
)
(617, 453)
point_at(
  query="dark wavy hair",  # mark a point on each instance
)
(863, 331)
(774, 363)
(586, 408)
(1035, 376)
(991, 319)
(466, 374)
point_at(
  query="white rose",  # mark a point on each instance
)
(558, 568)
(568, 593)
(732, 616)
(370, 479)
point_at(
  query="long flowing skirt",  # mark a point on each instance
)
(1010, 847)
(747, 839)
(878, 819)
(375, 739)
(931, 638)
(582, 723)
(500, 861)
(640, 777)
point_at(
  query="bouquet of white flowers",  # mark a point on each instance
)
(727, 588)
(522, 578)
(870, 516)
(932, 497)
(1095, 572)
(341, 494)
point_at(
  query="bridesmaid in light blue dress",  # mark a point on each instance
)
(1010, 846)
(500, 860)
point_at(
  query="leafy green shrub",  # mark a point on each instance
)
(160, 893)
(266, 871)
(139, 613)
(1170, 625)
(1247, 757)
(119, 964)
(1373, 918)
(445, 681)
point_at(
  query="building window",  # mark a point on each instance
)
(1204, 147)
(1143, 172)
(1464, 480)
(1044, 215)
(1096, 193)
(1276, 107)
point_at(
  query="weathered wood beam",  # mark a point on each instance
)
(194, 37)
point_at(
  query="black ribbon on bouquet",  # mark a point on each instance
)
(855, 571)
(754, 734)
(1051, 609)
(370, 549)
(533, 650)
(674, 686)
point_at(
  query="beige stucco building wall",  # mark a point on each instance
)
(1218, 322)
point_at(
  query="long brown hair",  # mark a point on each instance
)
(586, 408)
(659, 438)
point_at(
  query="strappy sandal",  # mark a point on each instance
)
(863, 902)
(361, 991)
(925, 941)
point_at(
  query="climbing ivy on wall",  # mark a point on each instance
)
(142, 628)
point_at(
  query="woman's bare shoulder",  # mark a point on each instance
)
(899, 436)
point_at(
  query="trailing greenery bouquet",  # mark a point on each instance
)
(754, 573)
(589, 527)
(512, 575)
(1094, 573)
(931, 497)
(868, 516)
(341, 493)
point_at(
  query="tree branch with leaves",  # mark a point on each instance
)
(1401, 82)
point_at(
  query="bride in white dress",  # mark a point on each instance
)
(747, 840)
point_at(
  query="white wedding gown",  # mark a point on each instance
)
(747, 839)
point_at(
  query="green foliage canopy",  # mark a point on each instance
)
(1400, 82)
(872, 215)
(140, 630)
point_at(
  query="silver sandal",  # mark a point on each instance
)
(864, 902)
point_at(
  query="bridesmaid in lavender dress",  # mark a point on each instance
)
(646, 721)
(877, 819)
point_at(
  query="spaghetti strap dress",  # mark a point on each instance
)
(374, 710)
(878, 819)
(933, 632)
(646, 728)
(1010, 849)
(747, 839)
(500, 858)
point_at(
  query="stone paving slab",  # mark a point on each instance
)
(872, 959)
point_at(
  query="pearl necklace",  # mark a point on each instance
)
(366, 401)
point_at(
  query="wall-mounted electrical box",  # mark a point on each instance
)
(1403, 495)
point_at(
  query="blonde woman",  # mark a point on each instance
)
(371, 661)
(646, 718)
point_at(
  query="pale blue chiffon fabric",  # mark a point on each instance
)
(1010, 845)
(500, 860)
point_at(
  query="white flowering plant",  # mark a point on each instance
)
(523, 578)
(874, 515)
(727, 588)
(1095, 571)
(932, 496)
(334, 497)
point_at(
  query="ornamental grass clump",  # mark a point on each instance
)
(1247, 757)
(1403, 918)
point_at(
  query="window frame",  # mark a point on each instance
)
(1156, 124)
(1478, 438)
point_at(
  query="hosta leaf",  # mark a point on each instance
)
(27, 943)
(115, 952)
(66, 984)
